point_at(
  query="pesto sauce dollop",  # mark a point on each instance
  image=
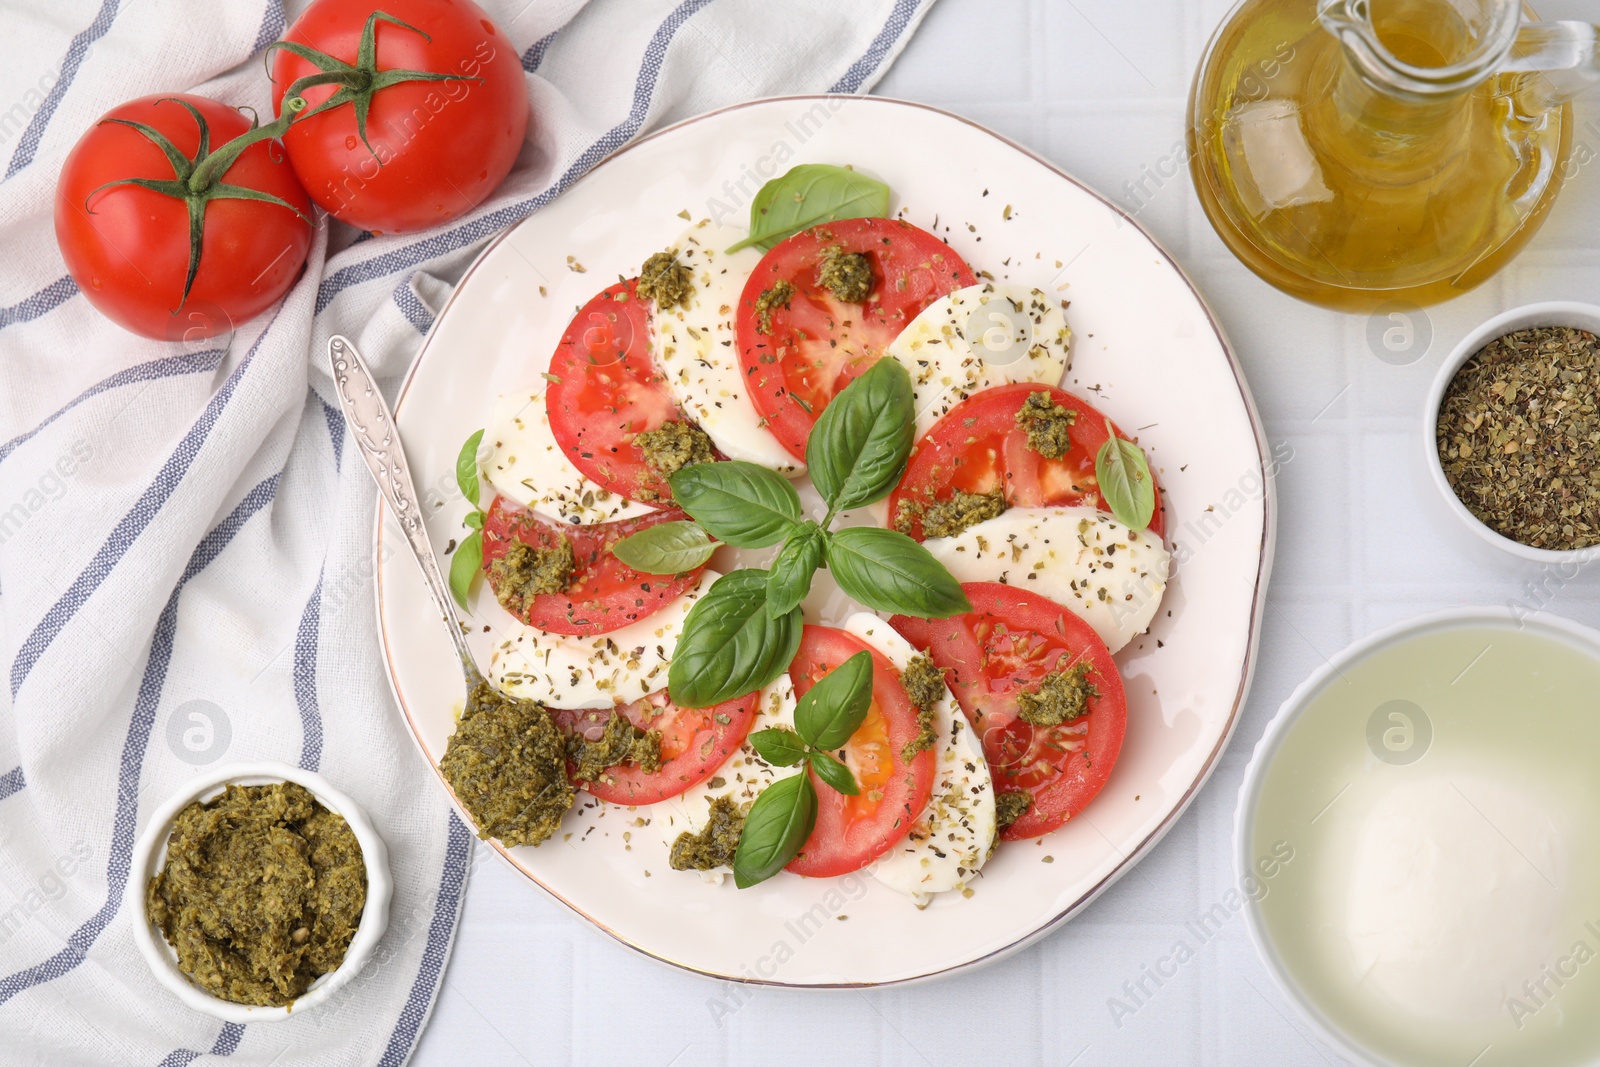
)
(924, 686)
(666, 281)
(1059, 697)
(507, 763)
(622, 742)
(847, 275)
(261, 893)
(1048, 425)
(525, 572)
(714, 845)
(947, 518)
(672, 446)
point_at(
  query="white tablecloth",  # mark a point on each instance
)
(1099, 87)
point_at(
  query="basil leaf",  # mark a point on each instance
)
(730, 646)
(474, 520)
(887, 571)
(779, 747)
(796, 562)
(1125, 481)
(467, 468)
(739, 503)
(778, 824)
(835, 774)
(858, 448)
(464, 567)
(832, 709)
(809, 194)
(666, 548)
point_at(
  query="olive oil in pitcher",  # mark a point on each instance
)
(1356, 152)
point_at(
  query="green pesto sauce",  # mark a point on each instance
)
(623, 742)
(947, 518)
(1008, 808)
(666, 281)
(262, 890)
(924, 686)
(525, 572)
(777, 297)
(1058, 698)
(847, 275)
(713, 846)
(507, 763)
(1048, 425)
(673, 446)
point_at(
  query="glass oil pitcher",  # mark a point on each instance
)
(1358, 152)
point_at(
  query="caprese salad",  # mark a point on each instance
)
(998, 536)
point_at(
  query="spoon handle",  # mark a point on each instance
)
(372, 425)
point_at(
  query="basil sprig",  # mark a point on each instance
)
(1124, 476)
(468, 558)
(735, 637)
(666, 548)
(731, 646)
(808, 195)
(783, 815)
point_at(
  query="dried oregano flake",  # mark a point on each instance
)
(1519, 437)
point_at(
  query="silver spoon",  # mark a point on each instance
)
(372, 425)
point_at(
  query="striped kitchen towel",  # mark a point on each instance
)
(185, 533)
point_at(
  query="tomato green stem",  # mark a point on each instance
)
(358, 82)
(197, 181)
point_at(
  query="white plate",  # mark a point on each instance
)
(1147, 351)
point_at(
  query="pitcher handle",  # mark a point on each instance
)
(1565, 55)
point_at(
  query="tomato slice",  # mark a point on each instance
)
(605, 390)
(605, 593)
(978, 447)
(1009, 642)
(819, 344)
(694, 743)
(851, 832)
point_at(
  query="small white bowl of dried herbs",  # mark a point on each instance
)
(1512, 431)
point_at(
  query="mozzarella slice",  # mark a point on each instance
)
(527, 465)
(1083, 559)
(563, 671)
(741, 778)
(952, 838)
(984, 335)
(696, 349)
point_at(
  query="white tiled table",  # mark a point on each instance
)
(1099, 87)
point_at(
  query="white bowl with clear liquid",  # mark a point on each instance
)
(1418, 840)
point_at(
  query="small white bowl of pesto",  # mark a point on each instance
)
(1417, 844)
(257, 890)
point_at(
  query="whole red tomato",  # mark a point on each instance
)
(129, 248)
(447, 109)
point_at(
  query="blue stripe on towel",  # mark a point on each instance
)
(77, 51)
(879, 49)
(305, 680)
(165, 367)
(535, 53)
(12, 782)
(446, 910)
(44, 301)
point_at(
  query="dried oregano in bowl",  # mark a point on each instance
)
(1519, 436)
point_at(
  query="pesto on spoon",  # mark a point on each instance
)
(506, 760)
